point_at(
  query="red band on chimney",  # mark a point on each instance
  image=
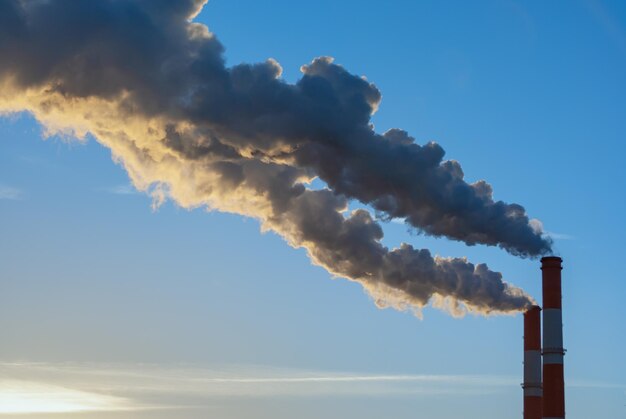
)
(532, 329)
(553, 391)
(532, 407)
(551, 273)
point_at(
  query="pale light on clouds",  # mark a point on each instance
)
(124, 189)
(18, 396)
(10, 193)
(539, 229)
(559, 236)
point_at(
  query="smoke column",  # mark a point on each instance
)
(151, 85)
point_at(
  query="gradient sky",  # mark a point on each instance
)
(125, 312)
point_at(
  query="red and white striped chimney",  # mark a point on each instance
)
(532, 363)
(553, 382)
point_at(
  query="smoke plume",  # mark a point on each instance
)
(151, 85)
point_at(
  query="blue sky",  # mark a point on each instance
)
(529, 96)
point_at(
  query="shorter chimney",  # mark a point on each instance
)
(532, 364)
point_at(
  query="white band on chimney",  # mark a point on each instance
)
(552, 330)
(549, 358)
(532, 367)
(533, 392)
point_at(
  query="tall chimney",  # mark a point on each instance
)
(553, 383)
(532, 363)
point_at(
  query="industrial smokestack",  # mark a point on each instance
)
(553, 382)
(532, 363)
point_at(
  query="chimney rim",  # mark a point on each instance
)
(547, 259)
(534, 307)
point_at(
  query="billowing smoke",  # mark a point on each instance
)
(152, 86)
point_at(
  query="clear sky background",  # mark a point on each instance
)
(109, 305)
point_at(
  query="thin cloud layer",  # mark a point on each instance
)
(116, 387)
(10, 193)
(151, 85)
(135, 388)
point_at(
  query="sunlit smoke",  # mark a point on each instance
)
(152, 86)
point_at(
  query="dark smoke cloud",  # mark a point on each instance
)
(151, 85)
